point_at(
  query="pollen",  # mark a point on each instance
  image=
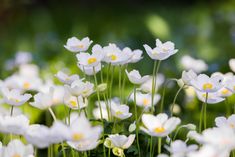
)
(145, 101)
(225, 91)
(80, 46)
(77, 136)
(159, 130)
(113, 57)
(119, 112)
(73, 103)
(16, 155)
(91, 60)
(165, 49)
(232, 125)
(26, 85)
(207, 86)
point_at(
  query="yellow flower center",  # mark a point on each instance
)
(26, 85)
(155, 52)
(113, 57)
(232, 125)
(80, 46)
(145, 101)
(165, 49)
(16, 155)
(73, 103)
(77, 136)
(225, 91)
(159, 130)
(91, 60)
(207, 86)
(119, 112)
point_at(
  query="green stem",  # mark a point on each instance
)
(120, 80)
(159, 145)
(151, 146)
(124, 82)
(201, 115)
(137, 124)
(98, 96)
(173, 104)
(205, 116)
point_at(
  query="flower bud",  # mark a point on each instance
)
(102, 87)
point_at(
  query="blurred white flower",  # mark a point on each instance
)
(132, 127)
(230, 84)
(188, 76)
(232, 64)
(147, 86)
(85, 145)
(91, 60)
(120, 111)
(145, 100)
(74, 102)
(135, 77)
(209, 151)
(104, 110)
(75, 45)
(17, 149)
(90, 70)
(64, 78)
(79, 87)
(159, 125)
(206, 84)
(14, 124)
(179, 148)
(189, 63)
(23, 57)
(223, 121)
(119, 141)
(212, 98)
(136, 55)
(162, 50)
(15, 97)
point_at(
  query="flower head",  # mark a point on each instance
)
(135, 77)
(75, 45)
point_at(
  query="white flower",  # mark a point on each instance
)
(136, 55)
(15, 97)
(81, 88)
(207, 84)
(159, 125)
(90, 70)
(23, 57)
(230, 84)
(132, 127)
(135, 77)
(81, 130)
(120, 111)
(66, 78)
(120, 141)
(232, 64)
(14, 124)
(42, 100)
(222, 121)
(147, 86)
(145, 100)
(179, 148)
(162, 50)
(209, 151)
(17, 149)
(104, 110)
(189, 63)
(75, 45)
(74, 102)
(212, 98)
(115, 56)
(91, 60)
(85, 145)
(188, 76)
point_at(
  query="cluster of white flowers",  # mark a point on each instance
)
(85, 125)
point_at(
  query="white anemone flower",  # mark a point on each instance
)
(15, 97)
(210, 98)
(79, 87)
(206, 84)
(75, 45)
(230, 84)
(162, 50)
(135, 77)
(223, 121)
(86, 145)
(115, 56)
(188, 63)
(232, 64)
(145, 100)
(159, 125)
(120, 111)
(17, 149)
(74, 102)
(81, 130)
(91, 60)
(14, 124)
(179, 148)
(209, 151)
(64, 78)
(90, 70)
(136, 55)
(23, 57)
(119, 141)
(147, 86)
(188, 76)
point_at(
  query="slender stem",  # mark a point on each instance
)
(101, 75)
(12, 108)
(205, 116)
(228, 110)
(153, 85)
(124, 81)
(120, 81)
(69, 115)
(98, 96)
(159, 145)
(137, 124)
(201, 115)
(114, 125)
(151, 146)
(173, 104)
